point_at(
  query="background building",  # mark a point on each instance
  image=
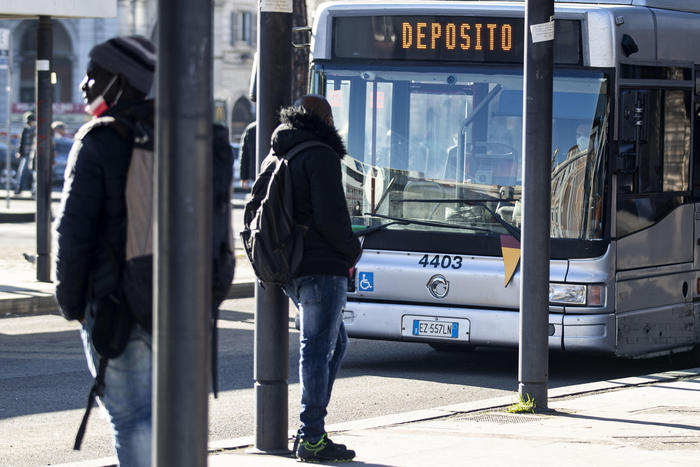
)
(72, 40)
(235, 33)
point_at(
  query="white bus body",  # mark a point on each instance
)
(428, 96)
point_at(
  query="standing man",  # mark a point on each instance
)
(247, 154)
(319, 290)
(91, 232)
(26, 144)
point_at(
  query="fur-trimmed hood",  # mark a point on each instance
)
(298, 125)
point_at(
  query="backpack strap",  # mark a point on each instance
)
(94, 123)
(120, 125)
(299, 148)
(215, 352)
(305, 145)
(97, 390)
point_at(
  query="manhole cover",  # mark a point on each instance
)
(498, 417)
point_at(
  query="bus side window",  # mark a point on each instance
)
(654, 155)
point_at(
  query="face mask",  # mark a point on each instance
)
(99, 105)
(582, 142)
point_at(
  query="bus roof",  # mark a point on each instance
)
(663, 30)
(692, 6)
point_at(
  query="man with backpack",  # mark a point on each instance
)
(104, 259)
(91, 240)
(319, 281)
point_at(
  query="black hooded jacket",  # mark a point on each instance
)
(91, 224)
(319, 200)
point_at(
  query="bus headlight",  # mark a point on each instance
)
(576, 294)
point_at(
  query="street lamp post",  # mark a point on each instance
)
(537, 139)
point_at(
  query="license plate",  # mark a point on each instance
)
(449, 329)
(432, 328)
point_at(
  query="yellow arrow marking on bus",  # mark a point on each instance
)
(510, 247)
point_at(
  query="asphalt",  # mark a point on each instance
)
(21, 292)
(649, 420)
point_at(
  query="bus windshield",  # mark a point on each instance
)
(441, 149)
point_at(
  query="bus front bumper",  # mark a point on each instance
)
(474, 326)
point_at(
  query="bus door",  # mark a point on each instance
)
(654, 219)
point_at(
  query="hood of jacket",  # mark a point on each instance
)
(297, 126)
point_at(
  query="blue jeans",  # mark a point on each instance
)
(24, 176)
(323, 341)
(127, 396)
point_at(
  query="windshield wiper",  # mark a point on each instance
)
(401, 220)
(513, 230)
(377, 228)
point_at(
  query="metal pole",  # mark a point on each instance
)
(42, 158)
(271, 352)
(8, 90)
(537, 141)
(182, 233)
(8, 138)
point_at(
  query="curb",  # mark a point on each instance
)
(46, 304)
(218, 447)
(16, 217)
(241, 290)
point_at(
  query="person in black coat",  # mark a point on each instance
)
(320, 287)
(25, 175)
(247, 154)
(91, 231)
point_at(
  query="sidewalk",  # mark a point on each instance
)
(21, 293)
(642, 421)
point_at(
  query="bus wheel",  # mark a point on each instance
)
(440, 347)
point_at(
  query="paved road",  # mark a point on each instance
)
(44, 383)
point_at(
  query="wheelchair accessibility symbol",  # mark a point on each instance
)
(366, 282)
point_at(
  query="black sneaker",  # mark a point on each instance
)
(323, 450)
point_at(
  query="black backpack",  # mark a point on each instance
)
(137, 276)
(272, 239)
(134, 299)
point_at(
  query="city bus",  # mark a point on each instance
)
(428, 97)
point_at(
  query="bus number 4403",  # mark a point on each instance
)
(441, 261)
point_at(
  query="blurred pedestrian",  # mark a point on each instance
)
(247, 155)
(59, 132)
(91, 236)
(24, 153)
(319, 289)
(59, 129)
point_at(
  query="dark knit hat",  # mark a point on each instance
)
(132, 56)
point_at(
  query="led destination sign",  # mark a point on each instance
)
(429, 38)
(445, 38)
(487, 37)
